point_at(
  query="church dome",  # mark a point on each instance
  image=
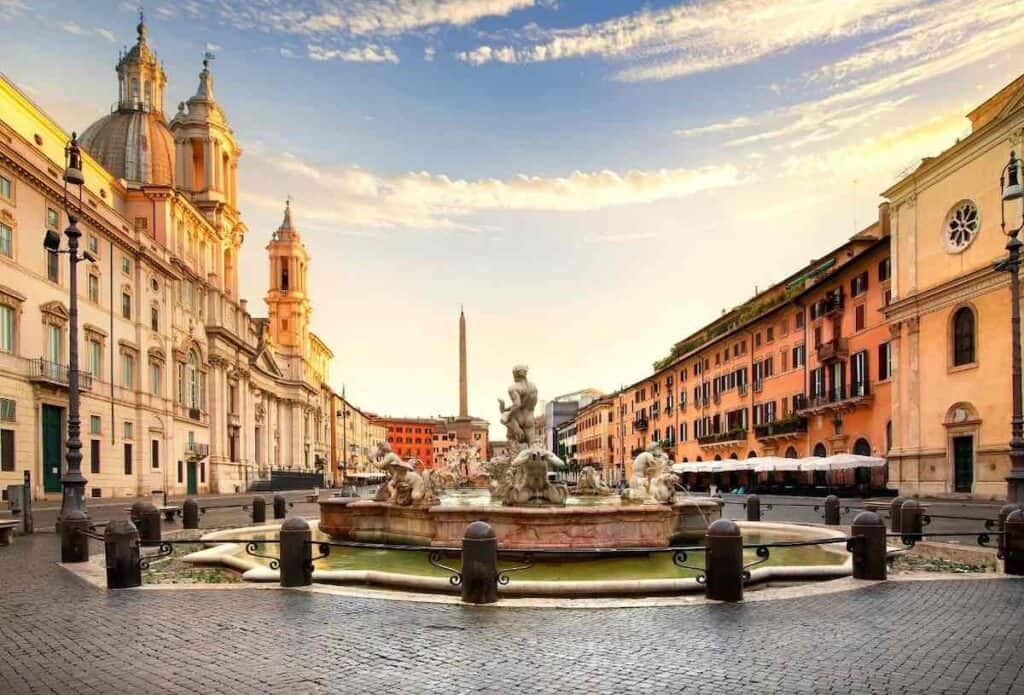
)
(134, 144)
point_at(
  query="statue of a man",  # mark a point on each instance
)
(518, 416)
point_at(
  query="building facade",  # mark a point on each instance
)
(182, 389)
(594, 435)
(412, 438)
(950, 315)
(356, 437)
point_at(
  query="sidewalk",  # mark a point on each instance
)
(53, 505)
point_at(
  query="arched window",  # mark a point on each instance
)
(819, 450)
(861, 447)
(963, 336)
(791, 452)
(192, 380)
(751, 454)
(733, 456)
(718, 457)
(698, 459)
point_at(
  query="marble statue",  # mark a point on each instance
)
(518, 416)
(497, 473)
(528, 479)
(405, 487)
(653, 480)
(591, 483)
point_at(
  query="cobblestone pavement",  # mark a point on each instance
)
(58, 634)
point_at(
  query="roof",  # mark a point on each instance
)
(134, 145)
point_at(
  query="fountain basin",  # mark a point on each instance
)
(604, 523)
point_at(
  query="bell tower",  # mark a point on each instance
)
(287, 298)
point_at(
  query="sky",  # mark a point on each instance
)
(591, 180)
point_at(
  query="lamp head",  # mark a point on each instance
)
(51, 242)
(1013, 188)
(73, 159)
(89, 256)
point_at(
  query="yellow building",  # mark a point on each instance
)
(950, 313)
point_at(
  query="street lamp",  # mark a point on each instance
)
(73, 516)
(1011, 189)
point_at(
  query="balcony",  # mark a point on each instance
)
(833, 304)
(833, 350)
(195, 451)
(790, 428)
(722, 439)
(45, 372)
(841, 398)
(640, 424)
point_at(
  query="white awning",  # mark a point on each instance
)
(844, 461)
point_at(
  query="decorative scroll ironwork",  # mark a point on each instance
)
(763, 553)
(503, 573)
(434, 558)
(926, 520)
(163, 551)
(325, 550)
(250, 549)
(679, 558)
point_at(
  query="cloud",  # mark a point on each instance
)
(106, 34)
(212, 47)
(364, 54)
(354, 197)
(429, 53)
(695, 37)
(731, 124)
(72, 28)
(11, 8)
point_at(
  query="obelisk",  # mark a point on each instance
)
(463, 380)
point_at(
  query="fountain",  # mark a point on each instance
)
(522, 504)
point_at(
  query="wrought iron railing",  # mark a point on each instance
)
(55, 373)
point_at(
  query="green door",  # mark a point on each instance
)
(963, 463)
(53, 448)
(191, 473)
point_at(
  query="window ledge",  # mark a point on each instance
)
(963, 367)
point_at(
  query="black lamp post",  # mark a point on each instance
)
(73, 516)
(1010, 189)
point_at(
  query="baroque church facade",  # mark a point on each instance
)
(183, 389)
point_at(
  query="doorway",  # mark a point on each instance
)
(53, 446)
(963, 463)
(191, 478)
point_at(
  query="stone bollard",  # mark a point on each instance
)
(296, 556)
(1004, 512)
(911, 519)
(280, 507)
(259, 510)
(74, 545)
(723, 561)
(895, 508)
(121, 543)
(479, 564)
(190, 514)
(1013, 553)
(753, 508)
(832, 510)
(146, 518)
(869, 550)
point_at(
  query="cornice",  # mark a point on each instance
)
(963, 287)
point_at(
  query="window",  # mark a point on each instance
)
(154, 318)
(5, 188)
(963, 337)
(52, 219)
(859, 285)
(95, 356)
(127, 458)
(154, 378)
(884, 361)
(54, 344)
(192, 381)
(799, 319)
(127, 370)
(7, 450)
(154, 454)
(95, 424)
(884, 269)
(817, 378)
(126, 265)
(8, 409)
(52, 266)
(94, 288)
(757, 339)
(961, 227)
(94, 456)
(858, 318)
(126, 305)
(6, 240)
(129, 429)
(769, 334)
(94, 243)
(859, 373)
(6, 328)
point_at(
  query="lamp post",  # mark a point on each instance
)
(1010, 189)
(343, 413)
(73, 516)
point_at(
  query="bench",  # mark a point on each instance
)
(7, 527)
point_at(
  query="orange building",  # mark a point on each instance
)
(594, 425)
(412, 438)
(801, 369)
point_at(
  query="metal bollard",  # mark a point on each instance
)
(1004, 512)
(74, 545)
(121, 543)
(723, 561)
(1013, 553)
(895, 508)
(27, 521)
(753, 508)
(832, 510)
(259, 510)
(911, 519)
(190, 514)
(868, 532)
(296, 557)
(479, 564)
(280, 507)
(146, 518)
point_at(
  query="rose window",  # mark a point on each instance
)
(962, 225)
